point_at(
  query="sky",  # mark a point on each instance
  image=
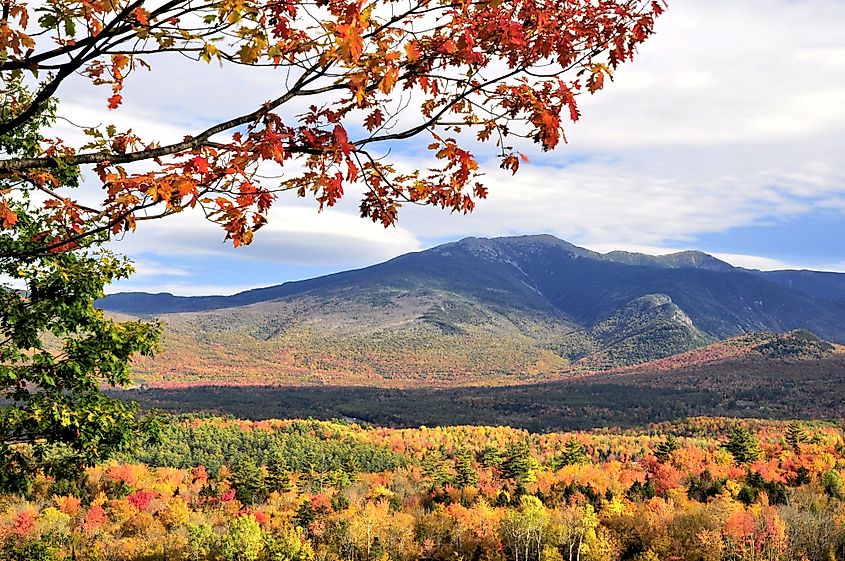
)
(726, 134)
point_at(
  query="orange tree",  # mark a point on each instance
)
(463, 74)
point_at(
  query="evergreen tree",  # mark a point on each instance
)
(664, 449)
(642, 491)
(833, 485)
(466, 476)
(572, 454)
(351, 466)
(795, 436)
(278, 472)
(248, 482)
(489, 456)
(434, 467)
(743, 446)
(518, 464)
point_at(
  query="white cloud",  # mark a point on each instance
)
(179, 288)
(732, 115)
(755, 262)
(147, 268)
(296, 234)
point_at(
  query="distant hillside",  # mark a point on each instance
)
(728, 378)
(478, 311)
(827, 286)
(648, 328)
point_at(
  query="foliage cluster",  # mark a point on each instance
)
(490, 493)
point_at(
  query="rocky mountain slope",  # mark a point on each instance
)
(480, 311)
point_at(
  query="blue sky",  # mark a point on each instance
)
(725, 135)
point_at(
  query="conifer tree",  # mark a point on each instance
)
(489, 456)
(518, 464)
(351, 466)
(466, 476)
(434, 467)
(248, 482)
(743, 446)
(664, 449)
(795, 436)
(278, 472)
(572, 454)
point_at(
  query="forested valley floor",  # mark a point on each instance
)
(747, 387)
(705, 489)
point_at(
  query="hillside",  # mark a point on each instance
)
(739, 377)
(477, 311)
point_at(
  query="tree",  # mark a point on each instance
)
(278, 472)
(57, 350)
(523, 529)
(434, 467)
(572, 454)
(489, 456)
(467, 73)
(245, 540)
(743, 446)
(664, 449)
(56, 347)
(795, 436)
(248, 482)
(465, 474)
(519, 465)
(833, 485)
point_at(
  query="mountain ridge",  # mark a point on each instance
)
(163, 302)
(478, 310)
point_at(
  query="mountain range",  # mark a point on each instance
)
(479, 311)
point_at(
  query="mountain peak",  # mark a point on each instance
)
(681, 259)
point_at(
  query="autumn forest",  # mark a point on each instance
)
(304, 385)
(704, 489)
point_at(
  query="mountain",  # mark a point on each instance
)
(478, 311)
(647, 328)
(828, 286)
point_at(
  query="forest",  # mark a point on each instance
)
(214, 488)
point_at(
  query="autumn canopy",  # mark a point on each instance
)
(371, 73)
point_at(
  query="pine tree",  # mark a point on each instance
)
(489, 456)
(466, 476)
(278, 473)
(572, 454)
(434, 466)
(833, 485)
(795, 436)
(248, 482)
(518, 464)
(743, 446)
(664, 449)
(351, 466)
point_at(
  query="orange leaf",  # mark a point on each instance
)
(412, 50)
(374, 120)
(8, 218)
(142, 15)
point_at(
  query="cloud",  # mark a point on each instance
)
(148, 268)
(179, 288)
(732, 115)
(735, 259)
(295, 235)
